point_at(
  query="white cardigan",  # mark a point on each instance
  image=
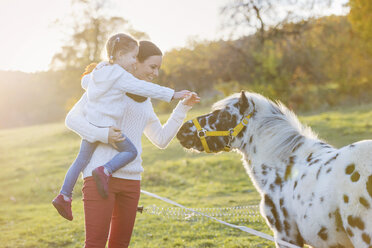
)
(137, 118)
(105, 87)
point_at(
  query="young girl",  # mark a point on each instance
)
(105, 87)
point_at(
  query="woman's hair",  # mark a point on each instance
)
(119, 43)
(147, 49)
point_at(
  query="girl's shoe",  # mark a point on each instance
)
(63, 207)
(102, 180)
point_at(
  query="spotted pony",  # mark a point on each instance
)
(311, 193)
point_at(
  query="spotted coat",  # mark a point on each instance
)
(311, 193)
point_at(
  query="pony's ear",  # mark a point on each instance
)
(243, 102)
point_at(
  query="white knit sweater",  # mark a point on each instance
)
(137, 118)
(105, 88)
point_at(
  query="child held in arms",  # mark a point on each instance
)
(105, 85)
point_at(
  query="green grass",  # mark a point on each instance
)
(33, 161)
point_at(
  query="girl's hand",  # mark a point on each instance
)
(115, 136)
(191, 99)
(181, 94)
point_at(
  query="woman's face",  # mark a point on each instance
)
(148, 70)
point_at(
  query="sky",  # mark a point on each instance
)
(29, 39)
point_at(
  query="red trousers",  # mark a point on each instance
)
(113, 217)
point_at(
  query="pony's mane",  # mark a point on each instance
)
(221, 104)
(276, 124)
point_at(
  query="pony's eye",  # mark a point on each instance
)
(224, 115)
(212, 119)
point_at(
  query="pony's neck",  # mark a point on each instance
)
(267, 168)
(275, 134)
(273, 139)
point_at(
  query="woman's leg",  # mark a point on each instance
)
(124, 214)
(98, 212)
(128, 153)
(82, 159)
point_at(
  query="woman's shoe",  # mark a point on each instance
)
(63, 207)
(102, 180)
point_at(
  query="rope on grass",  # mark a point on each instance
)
(242, 228)
(245, 214)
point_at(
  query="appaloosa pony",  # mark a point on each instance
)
(312, 193)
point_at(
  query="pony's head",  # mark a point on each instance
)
(222, 128)
(238, 119)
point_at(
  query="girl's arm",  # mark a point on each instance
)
(131, 84)
(76, 121)
(161, 135)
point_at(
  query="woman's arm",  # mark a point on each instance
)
(76, 121)
(162, 135)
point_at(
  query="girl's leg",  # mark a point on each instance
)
(128, 153)
(124, 214)
(63, 201)
(98, 213)
(82, 159)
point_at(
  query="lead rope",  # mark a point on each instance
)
(242, 228)
(247, 214)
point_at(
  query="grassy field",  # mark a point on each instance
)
(33, 161)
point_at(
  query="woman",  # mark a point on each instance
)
(114, 217)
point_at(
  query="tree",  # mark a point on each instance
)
(91, 27)
(361, 19)
(325, 65)
(267, 17)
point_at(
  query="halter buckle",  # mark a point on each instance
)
(245, 121)
(201, 133)
(231, 132)
(227, 148)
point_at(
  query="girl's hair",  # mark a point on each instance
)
(124, 42)
(147, 49)
(116, 43)
(119, 43)
(89, 69)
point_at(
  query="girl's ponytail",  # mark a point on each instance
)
(89, 69)
(116, 43)
(119, 43)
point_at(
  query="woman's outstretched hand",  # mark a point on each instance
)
(181, 94)
(191, 99)
(115, 136)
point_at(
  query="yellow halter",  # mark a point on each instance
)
(233, 132)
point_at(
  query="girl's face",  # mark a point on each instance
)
(128, 60)
(148, 70)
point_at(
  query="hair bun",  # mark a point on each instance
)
(147, 49)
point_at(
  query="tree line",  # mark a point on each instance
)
(325, 65)
(306, 63)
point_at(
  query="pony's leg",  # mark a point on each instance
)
(284, 229)
(291, 236)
